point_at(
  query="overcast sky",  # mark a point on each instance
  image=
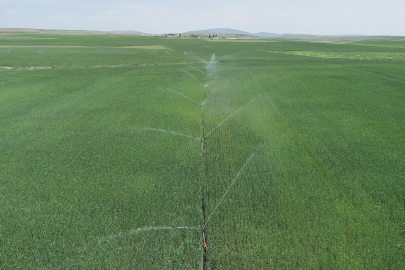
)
(321, 17)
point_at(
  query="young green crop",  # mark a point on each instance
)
(102, 166)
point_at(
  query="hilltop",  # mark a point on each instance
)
(228, 31)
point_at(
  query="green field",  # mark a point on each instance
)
(115, 151)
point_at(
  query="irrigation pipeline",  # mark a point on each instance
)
(205, 173)
(205, 160)
(203, 145)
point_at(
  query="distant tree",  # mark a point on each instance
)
(180, 35)
(209, 35)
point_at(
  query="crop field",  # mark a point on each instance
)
(132, 152)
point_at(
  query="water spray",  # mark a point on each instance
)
(178, 93)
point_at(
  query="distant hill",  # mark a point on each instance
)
(269, 35)
(234, 32)
(350, 35)
(128, 32)
(338, 39)
(301, 36)
(219, 31)
(69, 32)
(224, 32)
(50, 31)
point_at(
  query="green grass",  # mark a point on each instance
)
(101, 162)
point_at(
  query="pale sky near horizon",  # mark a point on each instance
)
(319, 17)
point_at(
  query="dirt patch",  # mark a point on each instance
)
(150, 47)
(239, 40)
(347, 55)
(20, 46)
(27, 38)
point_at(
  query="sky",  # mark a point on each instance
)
(317, 17)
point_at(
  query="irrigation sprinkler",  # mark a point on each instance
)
(205, 246)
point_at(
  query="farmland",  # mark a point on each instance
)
(115, 151)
